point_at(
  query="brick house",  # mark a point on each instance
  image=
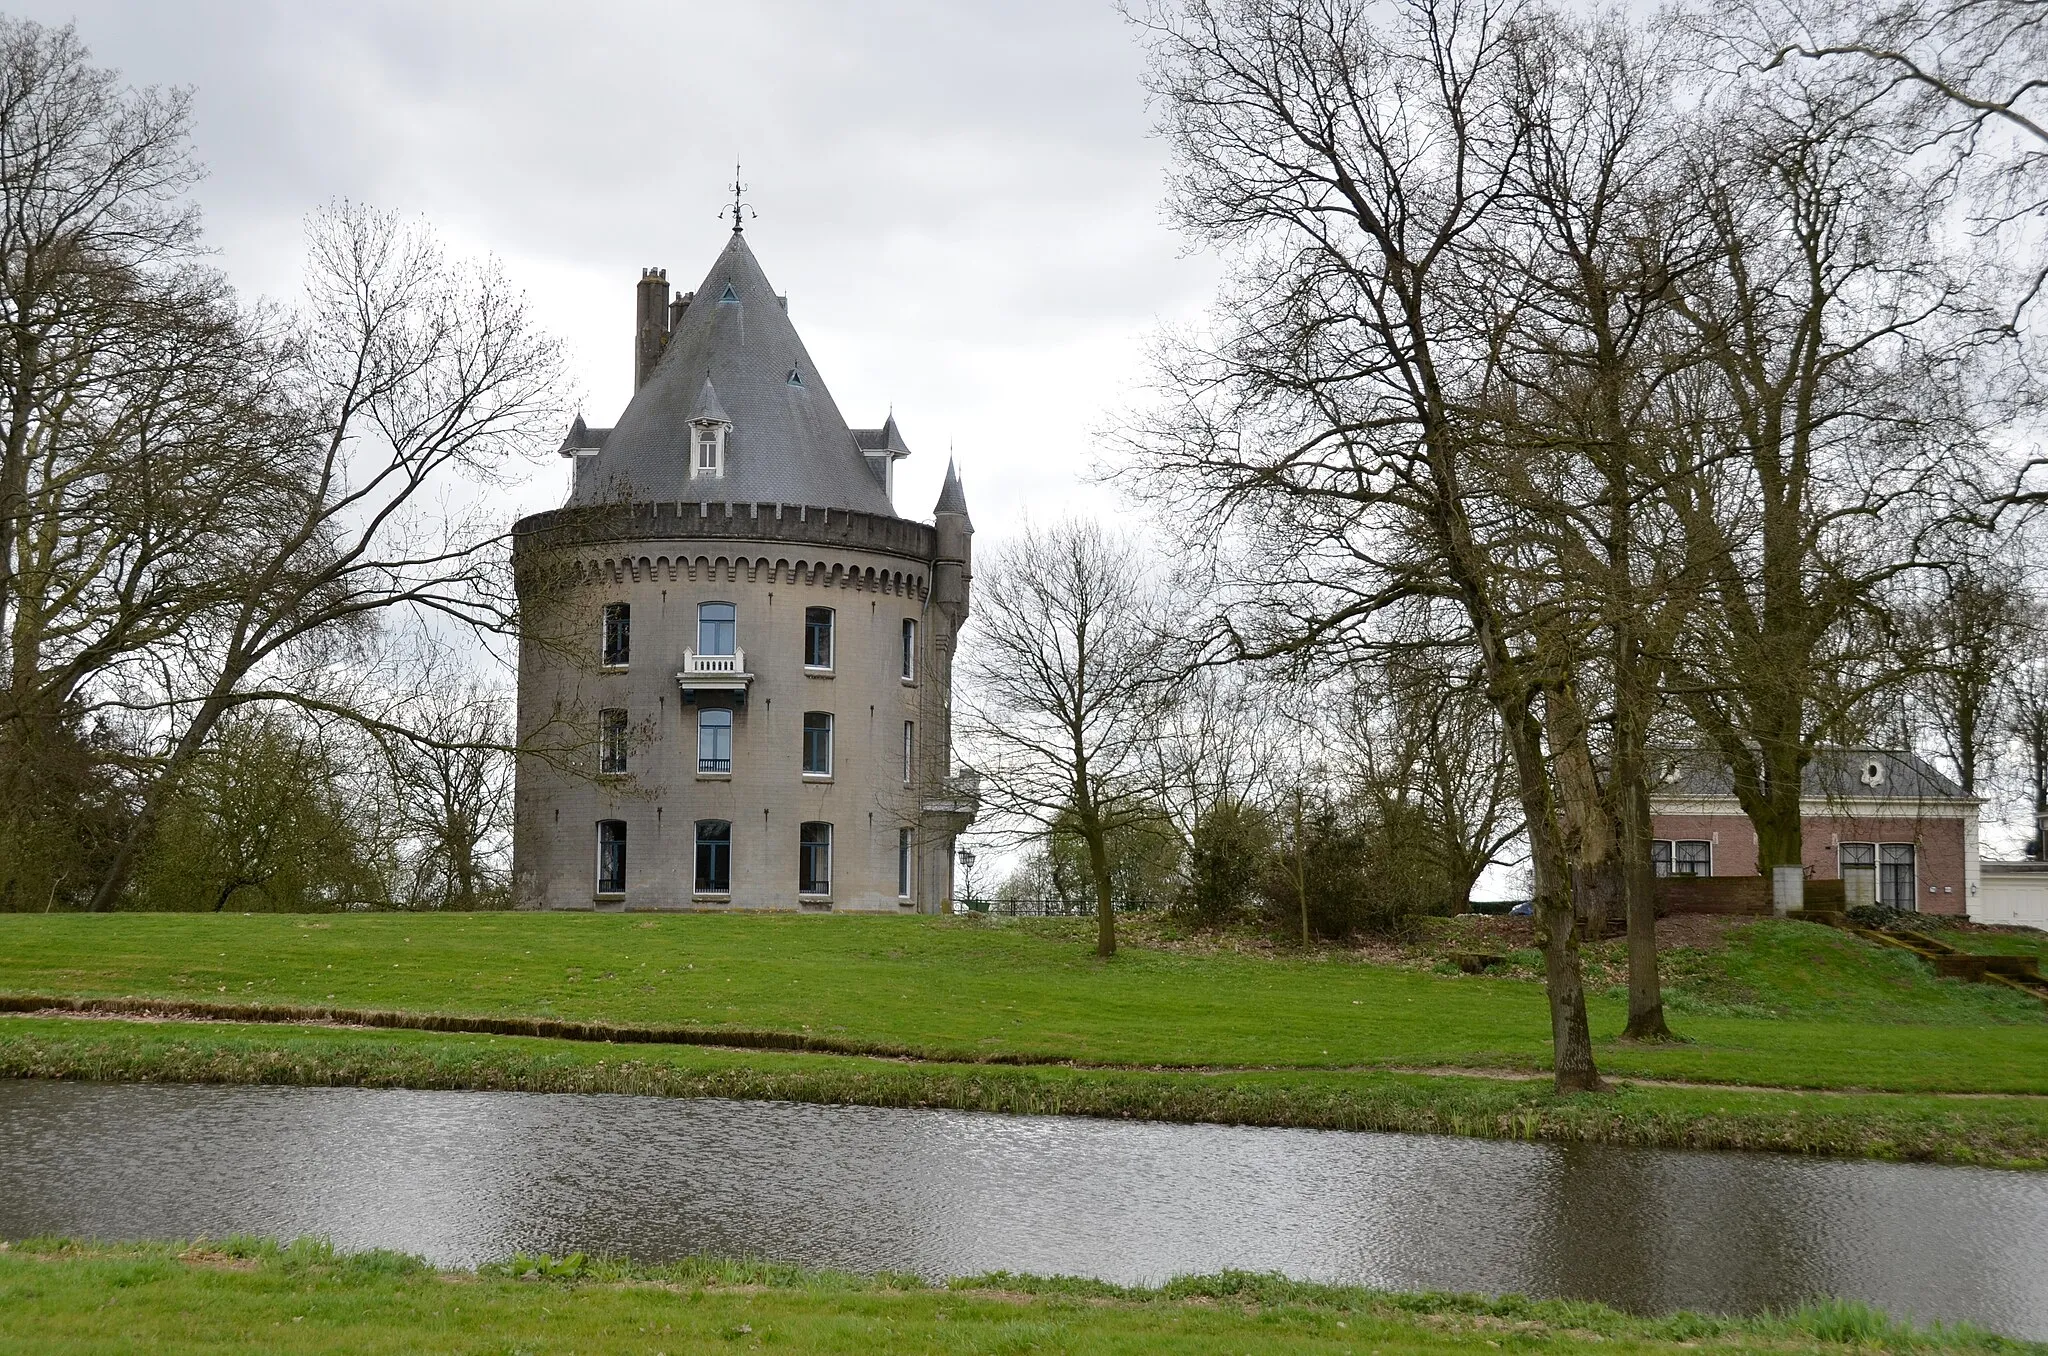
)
(1886, 824)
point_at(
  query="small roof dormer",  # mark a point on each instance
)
(710, 430)
(883, 447)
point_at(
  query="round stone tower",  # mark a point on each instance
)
(735, 663)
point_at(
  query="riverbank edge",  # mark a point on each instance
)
(1991, 1131)
(187, 1282)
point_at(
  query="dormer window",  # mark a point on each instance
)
(710, 455)
(796, 378)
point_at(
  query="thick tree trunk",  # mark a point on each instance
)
(1630, 788)
(1105, 906)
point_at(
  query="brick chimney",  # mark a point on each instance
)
(650, 323)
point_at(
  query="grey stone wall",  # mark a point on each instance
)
(873, 572)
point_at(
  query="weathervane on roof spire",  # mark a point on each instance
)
(739, 206)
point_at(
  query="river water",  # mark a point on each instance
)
(465, 1177)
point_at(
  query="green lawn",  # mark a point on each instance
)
(244, 1296)
(1785, 1004)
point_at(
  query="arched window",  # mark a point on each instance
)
(814, 859)
(818, 638)
(714, 857)
(714, 739)
(717, 628)
(618, 634)
(611, 856)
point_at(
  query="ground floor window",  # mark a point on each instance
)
(1895, 883)
(611, 856)
(1858, 862)
(903, 842)
(814, 859)
(714, 857)
(1682, 857)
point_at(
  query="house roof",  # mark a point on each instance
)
(734, 352)
(1832, 775)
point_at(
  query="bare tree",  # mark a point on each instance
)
(1843, 342)
(1344, 151)
(2027, 726)
(1065, 682)
(412, 381)
(447, 774)
(1424, 749)
(1971, 631)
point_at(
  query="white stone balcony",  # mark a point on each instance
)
(714, 673)
(958, 796)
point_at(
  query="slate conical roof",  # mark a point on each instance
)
(735, 347)
(952, 495)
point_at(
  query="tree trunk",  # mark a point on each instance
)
(1098, 867)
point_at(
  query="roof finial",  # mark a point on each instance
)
(739, 206)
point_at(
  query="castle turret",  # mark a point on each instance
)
(650, 323)
(953, 561)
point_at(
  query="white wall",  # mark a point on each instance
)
(2018, 898)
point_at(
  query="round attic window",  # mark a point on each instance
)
(1873, 773)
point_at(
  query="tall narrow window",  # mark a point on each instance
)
(611, 856)
(814, 859)
(1660, 857)
(717, 628)
(611, 740)
(714, 857)
(909, 750)
(1895, 884)
(1859, 873)
(909, 649)
(618, 634)
(817, 743)
(817, 637)
(903, 842)
(714, 740)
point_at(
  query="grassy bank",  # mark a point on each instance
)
(1802, 1038)
(1781, 1004)
(1994, 1131)
(253, 1296)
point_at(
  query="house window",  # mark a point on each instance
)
(903, 841)
(714, 739)
(1683, 857)
(1858, 862)
(814, 859)
(817, 637)
(909, 649)
(611, 856)
(714, 857)
(618, 634)
(717, 628)
(611, 740)
(817, 743)
(710, 451)
(1895, 884)
(909, 749)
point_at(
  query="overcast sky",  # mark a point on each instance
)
(962, 199)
